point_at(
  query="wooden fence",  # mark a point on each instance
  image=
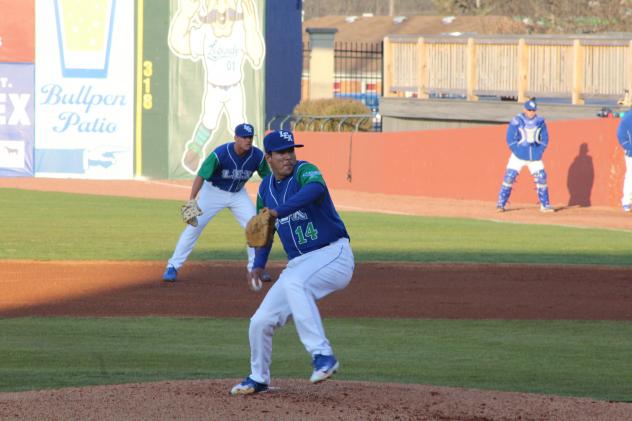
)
(561, 67)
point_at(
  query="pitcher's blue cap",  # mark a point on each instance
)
(279, 140)
(530, 105)
(244, 130)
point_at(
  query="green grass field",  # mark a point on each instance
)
(575, 358)
(52, 226)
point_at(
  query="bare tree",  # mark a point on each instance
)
(317, 8)
(541, 16)
(551, 16)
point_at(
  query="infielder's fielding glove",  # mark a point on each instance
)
(260, 229)
(190, 211)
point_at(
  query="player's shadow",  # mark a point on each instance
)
(580, 178)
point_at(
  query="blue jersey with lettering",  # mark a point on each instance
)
(527, 138)
(313, 226)
(624, 133)
(228, 171)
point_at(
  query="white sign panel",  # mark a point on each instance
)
(84, 80)
(12, 154)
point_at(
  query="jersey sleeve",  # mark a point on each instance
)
(209, 166)
(263, 169)
(544, 134)
(260, 202)
(624, 131)
(309, 173)
(512, 132)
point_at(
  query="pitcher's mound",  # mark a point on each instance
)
(298, 399)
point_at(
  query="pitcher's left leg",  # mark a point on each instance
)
(273, 313)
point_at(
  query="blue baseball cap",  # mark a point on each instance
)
(530, 105)
(279, 140)
(245, 130)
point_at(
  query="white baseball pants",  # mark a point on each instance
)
(627, 182)
(305, 280)
(516, 164)
(212, 200)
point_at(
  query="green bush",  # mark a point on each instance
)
(314, 115)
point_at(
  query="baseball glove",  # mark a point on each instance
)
(190, 211)
(260, 229)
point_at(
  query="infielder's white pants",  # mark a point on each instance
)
(212, 200)
(516, 164)
(305, 280)
(627, 182)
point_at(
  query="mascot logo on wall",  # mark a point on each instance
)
(224, 35)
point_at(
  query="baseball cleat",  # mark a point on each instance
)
(547, 209)
(626, 208)
(266, 277)
(500, 208)
(324, 367)
(248, 387)
(170, 274)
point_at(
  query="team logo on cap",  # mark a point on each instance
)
(286, 135)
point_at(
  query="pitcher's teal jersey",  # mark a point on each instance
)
(309, 228)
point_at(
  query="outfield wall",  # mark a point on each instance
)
(584, 162)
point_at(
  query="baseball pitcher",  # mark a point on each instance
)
(527, 138)
(320, 261)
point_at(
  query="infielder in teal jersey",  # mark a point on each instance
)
(220, 184)
(320, 262)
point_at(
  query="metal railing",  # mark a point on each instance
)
(340, 123)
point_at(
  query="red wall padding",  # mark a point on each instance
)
(584, 162)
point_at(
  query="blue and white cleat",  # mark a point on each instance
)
(170, 274)
(547, 209)
(248, 387)
(324, 367)
(626, 208)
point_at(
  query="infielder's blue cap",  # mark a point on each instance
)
(279, 140)
(530, 105)
(245, 130)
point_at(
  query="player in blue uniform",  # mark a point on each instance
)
(527, 138)
(320, 261)
(624, 135)
(220, 184)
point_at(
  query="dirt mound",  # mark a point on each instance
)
(298, 399)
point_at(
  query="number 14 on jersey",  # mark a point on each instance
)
(310, 232)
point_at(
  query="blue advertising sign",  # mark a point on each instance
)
(17, 87)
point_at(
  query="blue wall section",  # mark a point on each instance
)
(284, 57)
